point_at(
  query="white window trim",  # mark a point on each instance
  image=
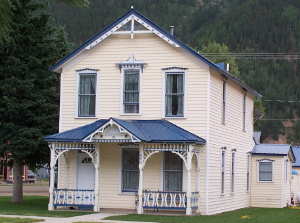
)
(233, 171)
(174, 69)
(82, 72)
(257, 168)
(122, 113)
(223, 149)
(244, 112)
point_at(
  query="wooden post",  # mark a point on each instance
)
(97, 166)
(198, 181)
(141, 180)
(189, 179)
(52, 178)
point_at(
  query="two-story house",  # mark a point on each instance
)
(146, 122)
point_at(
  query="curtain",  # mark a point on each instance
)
(174, 94)
(130, 171)
(131, 91)
(265, 171)
(87, 95)
(173, 172)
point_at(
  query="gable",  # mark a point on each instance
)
(126, 25)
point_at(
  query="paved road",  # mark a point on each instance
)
(30, 189)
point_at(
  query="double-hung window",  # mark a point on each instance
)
(232, 171)
(174, 94)
(131, 91)
(87, 94)
(265, 170)
(130, 170)
(244, 112)
(173, 172)
(223, 171)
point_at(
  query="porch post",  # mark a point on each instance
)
(52, 177)
(198, 180)
(189, 184)
(97, 165)
(141, 180)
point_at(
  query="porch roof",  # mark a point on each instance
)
(152, 131)
(273, 150)
(296, 150)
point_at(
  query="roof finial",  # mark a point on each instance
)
(131, 7)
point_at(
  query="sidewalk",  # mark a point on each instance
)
(83, 218)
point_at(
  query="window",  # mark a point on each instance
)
(87, 95)
(174, 94)
(244, 112)
(223, 171)
(265, 170)
(131, 89)
(248, 173)
(224, 103)
(232, 170)
(173, 173)
(286, 171)
(130, 170)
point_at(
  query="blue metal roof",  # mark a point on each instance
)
(145, 130)
(272, 150)
(296, 151)
(165, 33)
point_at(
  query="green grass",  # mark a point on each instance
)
(19, 220)
(247, 215)
(33, 206)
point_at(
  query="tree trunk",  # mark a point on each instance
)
(17, 196)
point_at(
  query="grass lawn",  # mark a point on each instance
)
(33, 206)
(247, 215)
(19, 220)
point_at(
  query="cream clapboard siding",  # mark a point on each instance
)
(274, 194)
(157, 54)
(296, 184)
(231, 136)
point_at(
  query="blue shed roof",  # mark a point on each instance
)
(163, 32)
(145, 130)
(272, 150)
(296, 151)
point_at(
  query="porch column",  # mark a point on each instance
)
(198, 180)
(189, 179)
(141, 180)
(97, 165)
(52, 178)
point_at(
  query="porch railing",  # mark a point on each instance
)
(168, 200)
(73, 198)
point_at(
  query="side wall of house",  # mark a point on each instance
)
(232, 136)
(296, 184)
(157, 54)
(269, 194)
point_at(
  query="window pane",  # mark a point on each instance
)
(174, 94)
(131, 91)
(87, 95)
(265, 171)
(87, 84)
(87, 105)
(130, 173)
(173, 172)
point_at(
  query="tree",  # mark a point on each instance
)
(28, 90)
(220, 55)
(6, 7)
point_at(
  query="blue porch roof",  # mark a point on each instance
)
(272, 150)
(144, 130)
(296, 151)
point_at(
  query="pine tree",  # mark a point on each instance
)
(28, 90)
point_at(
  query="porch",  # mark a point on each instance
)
(138, 180)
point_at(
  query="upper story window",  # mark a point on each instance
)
(131, 70)
(87, 93)
(265, 168)
(174, 94)
(224, 102)
(244, 112)
(131, 91)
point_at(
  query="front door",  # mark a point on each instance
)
(85, 172)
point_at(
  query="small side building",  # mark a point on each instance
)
(296, 175)
(271, 176)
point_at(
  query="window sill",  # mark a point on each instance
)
(88, 117)
(130, 114)
(127, 193)
(265, 182)
(174, 117)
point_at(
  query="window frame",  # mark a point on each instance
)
(80, 73)
(122, 171)
(224, 97)
(244, 111)
(286, 169)
(122, 105)
(223, 169)
(174, 70)
(258, 170)
(233, 165)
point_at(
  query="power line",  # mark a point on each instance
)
(282, 101)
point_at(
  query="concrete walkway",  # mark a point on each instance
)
(83, 218)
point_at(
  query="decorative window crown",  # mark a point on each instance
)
(131, 62)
